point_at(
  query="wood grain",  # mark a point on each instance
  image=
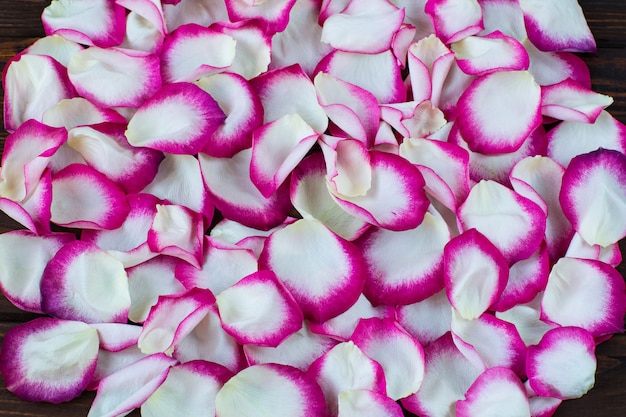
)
(20, 25)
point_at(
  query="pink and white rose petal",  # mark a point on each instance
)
(310, 208)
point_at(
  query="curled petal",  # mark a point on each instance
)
(27, 153)
(143, 34)
(243, 109)
(289, 90)
(105, 148)
(128, 388)
(277, 147)
(193, 51)
(412, 119)
(390, 203)
(353, 109)
(377, 73)
(253, 49)
(569, 139)
(177, 231)
(172, 318)
(310, 196)
(209, 342)
(128, 243)
(429, 63)
(34, 211)
(479, 55)
(447, 376)
(403, 366)
(568, 100)
(544, 176)
(150, 10)
(527, 278)
(455, 19)
(179, 181)
(273, 14)
(489, 342)
(236, 196)
(449, 161)
(496, 392)
(343, 368)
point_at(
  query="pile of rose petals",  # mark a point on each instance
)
(310, 208)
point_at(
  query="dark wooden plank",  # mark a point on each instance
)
(20, 25)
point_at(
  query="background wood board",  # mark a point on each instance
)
(20, 25)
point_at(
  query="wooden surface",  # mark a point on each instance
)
(20, 25)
